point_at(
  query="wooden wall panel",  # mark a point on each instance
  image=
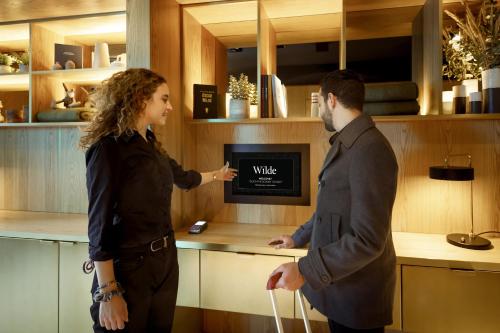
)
(41, 169)
(138, 34)
(221, 76)
(42, 57)
(422, 204)
(166, 60)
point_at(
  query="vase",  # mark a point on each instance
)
(491, 90)
(5, 69)
(23, 68)
(459, 99)
(101, 55)
(238, 109)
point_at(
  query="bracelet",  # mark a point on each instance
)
(107, 284)
(100, 296)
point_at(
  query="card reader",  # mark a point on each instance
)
(198, 227)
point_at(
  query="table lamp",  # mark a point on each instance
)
(460, 173)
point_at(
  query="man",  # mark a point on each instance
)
(349, 272)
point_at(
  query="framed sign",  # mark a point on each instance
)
(274, 174)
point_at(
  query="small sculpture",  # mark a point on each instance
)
(2, 119)
(68, 100)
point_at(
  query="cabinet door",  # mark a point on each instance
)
(189, 278)
(28, 286)
(443, 300)
(237, 282)
(74, 289)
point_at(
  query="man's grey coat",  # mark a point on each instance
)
(350, 268)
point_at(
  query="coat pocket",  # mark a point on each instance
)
(335, 227)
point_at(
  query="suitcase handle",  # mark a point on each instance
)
(271, 285)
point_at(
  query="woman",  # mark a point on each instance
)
(129, 182)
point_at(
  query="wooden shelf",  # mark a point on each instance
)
(14, 82)
(47, 124)
(381, 119)
(81, 76)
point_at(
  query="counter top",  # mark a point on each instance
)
(411, 248)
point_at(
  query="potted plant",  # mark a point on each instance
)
(252, 98)
(480, 43)
(239, 89)
(5, 62)
(23, 61)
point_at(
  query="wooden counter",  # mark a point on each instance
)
(411, 248)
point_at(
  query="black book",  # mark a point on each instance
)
(63, 53)
(264, 110)
(205, 101)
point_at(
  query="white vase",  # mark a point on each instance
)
(5, 69)
(101, 55)
(238, 109)
(491, 90)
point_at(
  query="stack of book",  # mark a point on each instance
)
(391, 98)
(273, 99)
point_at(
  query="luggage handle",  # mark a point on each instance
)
(271, 285)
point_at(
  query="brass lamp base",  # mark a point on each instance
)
(464, 240)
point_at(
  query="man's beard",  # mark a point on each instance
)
(328, 121)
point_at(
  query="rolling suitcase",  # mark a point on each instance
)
(271, 284)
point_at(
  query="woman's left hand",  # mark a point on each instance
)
(226, 173)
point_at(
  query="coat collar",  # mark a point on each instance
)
(347, 136)
(352, 131)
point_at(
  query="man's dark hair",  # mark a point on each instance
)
(347, 86)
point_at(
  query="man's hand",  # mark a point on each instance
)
(282, 242)
(291, 279)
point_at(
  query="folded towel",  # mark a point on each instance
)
(391, 108)
(391, 91)
(66, 115)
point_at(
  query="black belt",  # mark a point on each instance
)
(151, 247)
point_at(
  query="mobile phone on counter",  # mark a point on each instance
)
(198, 227)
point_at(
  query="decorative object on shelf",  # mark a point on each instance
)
(391, 98)
(254, 107)
(205, 101)
(57, 66)
(461, 173)
(101, 55)
(5, 62)
(70, 64)
(240, 91)
(64, 52)
(460, 64)
(266, 100)
(280, 107)
(447, 102)
(22, 61)
(15, 115)
(2, 118)
(480, 41)
(66, 115)
(314, 104)
(475, 104)
(68, 100)
(121, 61)
(459, 99)
(491, 90)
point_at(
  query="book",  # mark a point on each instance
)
(205, 101)
(63, 53)
(279, 98)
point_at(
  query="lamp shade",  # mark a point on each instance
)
(459, 173)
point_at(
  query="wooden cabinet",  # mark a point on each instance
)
(237, 282)
(29, 286)
(189, 278)
(74, 289)
(442, 300)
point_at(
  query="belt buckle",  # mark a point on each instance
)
(164, 245)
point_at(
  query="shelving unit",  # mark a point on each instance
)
(41, 84)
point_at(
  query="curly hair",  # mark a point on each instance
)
(120, 101)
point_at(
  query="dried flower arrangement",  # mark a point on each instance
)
(475, 47)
